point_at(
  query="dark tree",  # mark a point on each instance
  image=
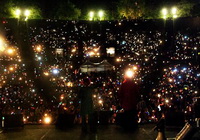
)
(66, 10)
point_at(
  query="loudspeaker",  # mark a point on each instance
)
(12, 121)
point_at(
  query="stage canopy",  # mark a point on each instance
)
(89, 66)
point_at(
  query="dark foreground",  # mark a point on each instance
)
(105, 132)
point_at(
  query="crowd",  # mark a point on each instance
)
(166, 79)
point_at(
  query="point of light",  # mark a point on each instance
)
(170, 80)
(24, 119)
(27, 13)
(100, 101)
(175, 70)
(69, 84)
(39, 58)
(46, 73)
(100, 13)
(96, 49)
(174, 11)
(39, 48)
(10, 51)
(73, 50)
(129, 73)
(134, 68)
(18, 12)
(11, 68)
(47, 120)
(91, 15)
(62, 97)
(164, 12)
(55, 71)
(91, 53)
(118, 59)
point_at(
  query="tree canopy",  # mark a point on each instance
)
(66, 10)
(9, 8)
(131, 9)
(118, 9)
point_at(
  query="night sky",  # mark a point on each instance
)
(82, 4)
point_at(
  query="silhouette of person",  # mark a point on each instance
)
(87, 110)
(128, 97)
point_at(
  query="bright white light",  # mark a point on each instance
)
(91, 15)
(62, 97)
(11, 68)
(175, 70)
(39, 58)
(100, 101)
(159, 108)
(129, 73)
(170, 80)
(91, 53)
(27, 13)
(174, 11)
(10, 51)
(46, 73)
(96, 49)
(118, 59)
(55, 71)
(47, 120)
(69, 84)
(164, 11)
(101, 13)
(18, 12)
(73, 50)
(38, 48)
(111, 51)
(184, 69)
(134, 68)
(24, 119)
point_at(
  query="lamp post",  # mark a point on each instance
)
(100, 14)
(17, 14)
(24, 14)
(91, 15)
(174, 16)
(97, 15)
(164, 13)
(174, 12)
